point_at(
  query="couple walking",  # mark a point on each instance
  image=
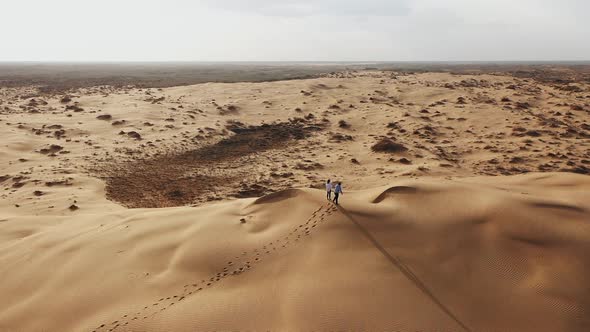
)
(337, 191)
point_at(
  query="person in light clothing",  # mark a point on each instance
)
(328, 189)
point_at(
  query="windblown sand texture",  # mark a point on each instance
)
(466, 206)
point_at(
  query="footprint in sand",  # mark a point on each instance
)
(303, 229)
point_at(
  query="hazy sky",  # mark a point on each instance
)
(294, 30)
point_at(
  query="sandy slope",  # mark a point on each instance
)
(450, 125)
(425, 238)
(500, 255)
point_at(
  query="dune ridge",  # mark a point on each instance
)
(410, 262)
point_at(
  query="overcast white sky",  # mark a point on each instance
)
(294, 30)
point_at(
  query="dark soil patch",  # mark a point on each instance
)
(343, 124)
(340, 138)
(388, 146)
(223, 168)
(134, 134)
(106, 117)
(53, 148)
(253, 139)
(65, 99)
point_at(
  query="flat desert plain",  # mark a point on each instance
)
(466, 205)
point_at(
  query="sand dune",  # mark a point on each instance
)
(473, 255)
(197, 208)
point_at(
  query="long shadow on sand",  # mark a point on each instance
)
(404, 269)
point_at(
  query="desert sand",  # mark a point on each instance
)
(466, 205)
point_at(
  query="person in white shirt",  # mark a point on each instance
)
(329, 189)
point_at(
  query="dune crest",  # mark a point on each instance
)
(392, 191)
(278, 196)
(182, 268)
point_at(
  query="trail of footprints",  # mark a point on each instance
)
(235, 267)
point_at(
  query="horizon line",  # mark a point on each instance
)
(288, 61)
